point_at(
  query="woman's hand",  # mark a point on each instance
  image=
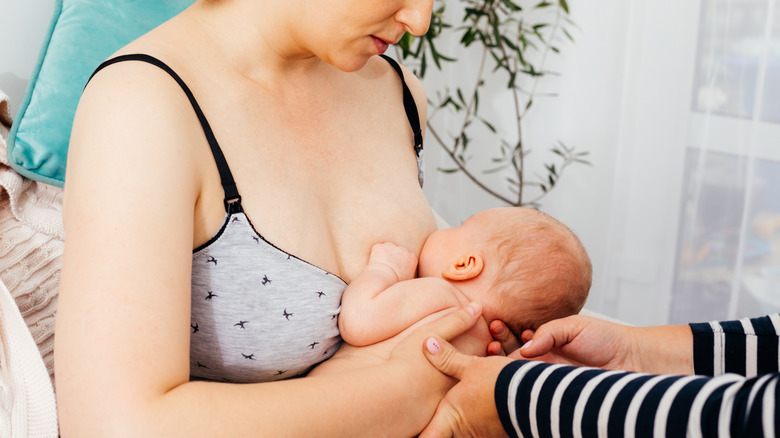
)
(469, 408)
(585, 341)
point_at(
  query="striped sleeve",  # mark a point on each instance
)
(537, 399)
(748, 347)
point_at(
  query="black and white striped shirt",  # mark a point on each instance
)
(734, 392)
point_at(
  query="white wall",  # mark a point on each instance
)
(23, 24)
(585, 114)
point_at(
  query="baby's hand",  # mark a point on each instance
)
(399, 259)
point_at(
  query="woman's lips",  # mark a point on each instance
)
(381, 45)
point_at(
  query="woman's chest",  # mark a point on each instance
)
(327, 211)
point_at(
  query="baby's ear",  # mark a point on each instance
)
(465, 267)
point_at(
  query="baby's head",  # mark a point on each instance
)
(524, 266)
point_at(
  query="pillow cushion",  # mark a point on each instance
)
(82, 34)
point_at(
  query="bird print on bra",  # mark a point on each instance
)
(215, 275)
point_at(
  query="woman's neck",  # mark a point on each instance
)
(255, 38)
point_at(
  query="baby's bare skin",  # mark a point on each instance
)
(390, 259)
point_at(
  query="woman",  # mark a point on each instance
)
(314, 144)
(734, 392)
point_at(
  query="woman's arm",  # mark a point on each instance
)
(122, 353)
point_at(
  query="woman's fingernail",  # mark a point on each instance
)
(527, 345)
(472, 308)
(432, 345)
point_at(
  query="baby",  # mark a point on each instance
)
(525, 267)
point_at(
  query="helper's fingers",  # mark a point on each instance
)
(556, 333)
(494, 348)
(502, 334)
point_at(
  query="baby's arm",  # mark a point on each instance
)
(380, 302)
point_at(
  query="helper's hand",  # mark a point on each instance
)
(399, 259)
(582, 340)
(468, 409)
(579, 340)
(503, 339)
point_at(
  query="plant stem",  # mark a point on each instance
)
(521, 114)
(476, 181)
(567, 161)
(547, 49)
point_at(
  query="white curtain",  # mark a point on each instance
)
(728, 257)
(679, 104)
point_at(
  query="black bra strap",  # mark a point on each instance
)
(228, 184)
(409, 106)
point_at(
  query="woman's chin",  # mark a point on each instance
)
(351, 64)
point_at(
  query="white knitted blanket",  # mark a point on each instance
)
(31, 245)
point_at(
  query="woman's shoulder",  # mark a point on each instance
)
(382, 69)
(130, 113)
(380, 66)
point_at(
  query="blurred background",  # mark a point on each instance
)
(677, 105)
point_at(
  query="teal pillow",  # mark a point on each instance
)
(82, 34)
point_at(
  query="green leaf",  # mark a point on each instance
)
(494, 170)
(456, 169)
(460, 96)
(564, 5)
(489, 125)
(568, 35)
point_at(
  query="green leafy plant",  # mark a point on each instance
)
(515, 40)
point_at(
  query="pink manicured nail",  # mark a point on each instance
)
(471, 308)
(432, 345)
(527, 345)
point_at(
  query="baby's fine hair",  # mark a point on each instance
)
(543, 263)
